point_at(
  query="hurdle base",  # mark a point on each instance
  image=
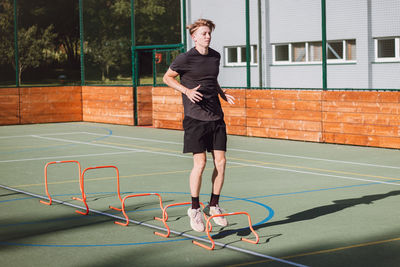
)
(46, 203)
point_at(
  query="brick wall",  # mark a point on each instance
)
(108, 104)
(9, 106)
(167, 108)
(50, 104)
(40, 105)
(365, 118)
(362, 118)
(115, 105)
(145, 105)
(285, 114)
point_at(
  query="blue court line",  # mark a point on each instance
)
(309, 191)
(270, 215)
(180, 234)
(90, 245)
(270, 210)
(248, 199)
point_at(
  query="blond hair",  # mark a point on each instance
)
(198, 23)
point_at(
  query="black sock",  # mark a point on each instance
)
(214, 200)
(195, 203)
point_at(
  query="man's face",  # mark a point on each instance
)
(202, 36)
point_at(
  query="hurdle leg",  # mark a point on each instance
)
(138, 195)
(165, 217)
(46, 180)
(226, 214)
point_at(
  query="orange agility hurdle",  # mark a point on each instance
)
(165, 217)
(138, 195)
(83, 199)
(208, 226)
(46, 181)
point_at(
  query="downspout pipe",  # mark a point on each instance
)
(248, 73)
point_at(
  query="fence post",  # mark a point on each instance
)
(16, 45)
(134, 65)
(323, 26)
(248, 44)
(81, 37)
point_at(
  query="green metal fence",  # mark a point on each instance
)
(132, 42)
(85, 42)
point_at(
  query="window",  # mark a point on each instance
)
(387, 49)
(315, 51)
(236, 56)
(232, 55)
(340, 51)
(351, 50)
(335, 50)
(299, 52)
(255, 54)
(281, 53)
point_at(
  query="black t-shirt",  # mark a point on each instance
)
(196, 69)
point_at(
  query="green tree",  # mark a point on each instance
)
(35, 47)
(107, 30)
(157, 22)
(63, 15)
(6, 33)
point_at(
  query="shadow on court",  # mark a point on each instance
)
(338, 205)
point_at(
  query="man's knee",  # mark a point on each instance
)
(220, 162)
(199, 161)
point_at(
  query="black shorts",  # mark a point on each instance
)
(203, 135)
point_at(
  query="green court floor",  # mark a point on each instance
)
(311, 204)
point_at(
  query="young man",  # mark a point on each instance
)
(204, 125)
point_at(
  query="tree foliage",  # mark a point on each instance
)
(34, 45)
(48, 31)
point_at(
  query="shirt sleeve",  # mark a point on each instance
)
(179, 64)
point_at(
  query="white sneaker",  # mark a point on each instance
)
(196, 219)
(210, 211)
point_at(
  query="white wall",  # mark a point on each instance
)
(230, 19)
(287, 21)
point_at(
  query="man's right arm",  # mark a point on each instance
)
(170, 80)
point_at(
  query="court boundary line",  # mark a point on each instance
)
(257, 152)
(233, 149)
(71, 156)
(230, 162)
(158, 228)
(29, 135)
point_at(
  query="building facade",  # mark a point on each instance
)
(363, 42)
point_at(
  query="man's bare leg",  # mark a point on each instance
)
(194, 213)
(218, 175)
(199, 163)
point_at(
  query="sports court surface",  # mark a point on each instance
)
(311, 204)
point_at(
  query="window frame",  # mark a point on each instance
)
(396, 57)
(307, 60)
(239, 62)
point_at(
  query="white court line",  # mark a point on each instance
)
(328, 160)
(140, 139)
(55, 158)
(250, 252)
(231, 162)
(313, 173)
(86, 143)
(261, 152)
(29, 135)
(233, 149)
